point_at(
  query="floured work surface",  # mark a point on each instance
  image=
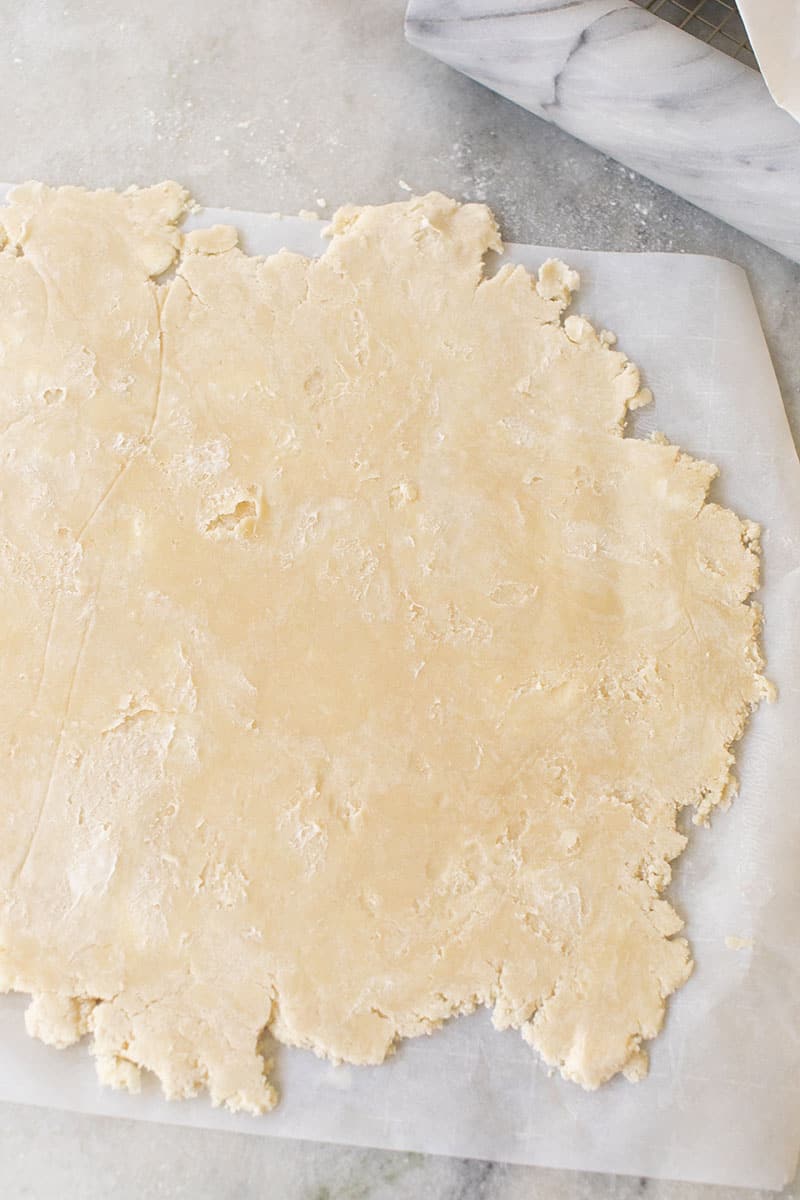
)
(356, 665)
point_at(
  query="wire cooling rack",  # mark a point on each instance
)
(716, 22)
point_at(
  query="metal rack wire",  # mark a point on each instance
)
(716, 22)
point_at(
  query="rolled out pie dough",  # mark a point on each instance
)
(355, 664)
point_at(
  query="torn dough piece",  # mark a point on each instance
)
(356, 666)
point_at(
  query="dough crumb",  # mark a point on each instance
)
(637, 1066)
(118, 1073)
(557, 281)
(58, 1020)
(216, 240)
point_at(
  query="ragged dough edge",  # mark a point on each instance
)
(635, 1066)
(153, 214)
(61, 1019)
(749, 533)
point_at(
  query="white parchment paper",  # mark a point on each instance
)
(722, 1101)
(773, 27)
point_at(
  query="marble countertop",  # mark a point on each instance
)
(273, 105)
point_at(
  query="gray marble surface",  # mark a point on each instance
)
(271, 104)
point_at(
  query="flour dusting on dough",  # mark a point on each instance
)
(356, 664)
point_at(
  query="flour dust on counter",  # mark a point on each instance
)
(357, 665)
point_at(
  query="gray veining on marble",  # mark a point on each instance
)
(648, 94)
(272, 104)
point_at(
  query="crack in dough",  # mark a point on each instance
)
(356, 664)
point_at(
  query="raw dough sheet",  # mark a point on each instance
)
(730, 1030)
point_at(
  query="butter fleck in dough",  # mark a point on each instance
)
(356, 666)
